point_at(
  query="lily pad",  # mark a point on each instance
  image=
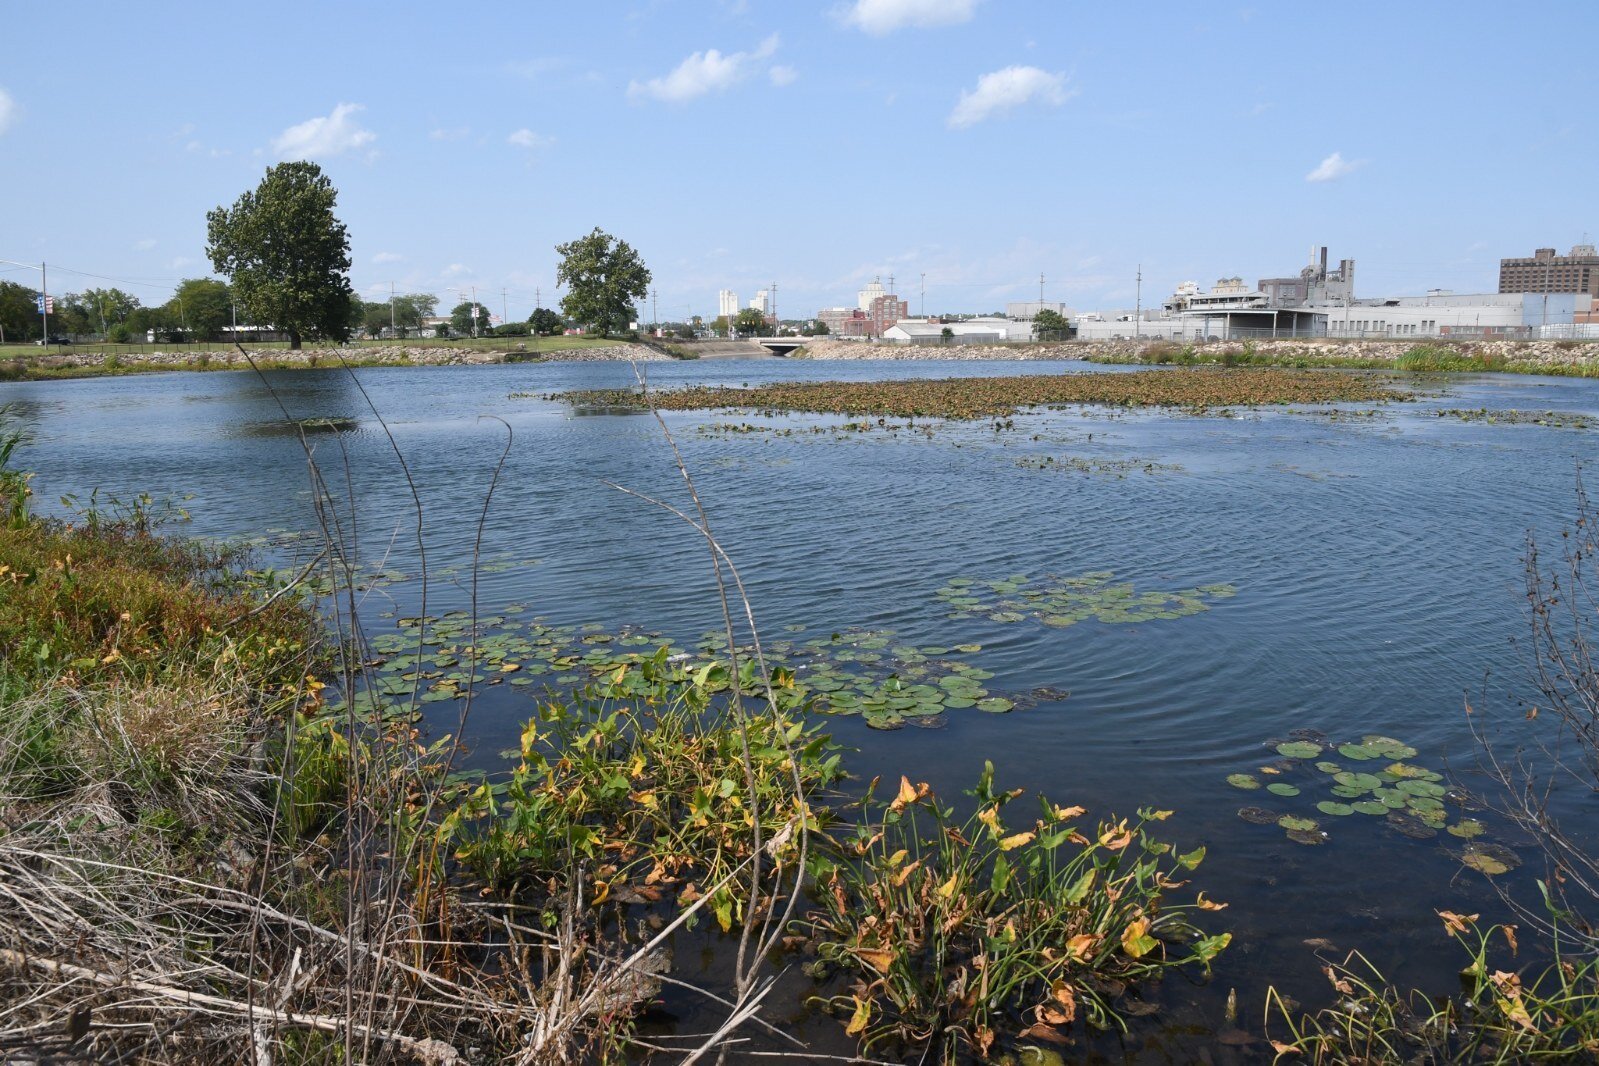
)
(1243, 781)
(1290, 821)
(1282, 788)
(1491, 859)
(1364, 782)
(1306, 836)
(1421, 788)
(1338, 810)
(1258, 815)
(1370, 807)
(1299, 749)
(1357, 752)
(1346, 792)
(1329, 767)
(1410, 826)
(1467, 828)
(995, 705)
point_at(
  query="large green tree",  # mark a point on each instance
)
(752, 323)
(462, 322)
(19, 315)
(604, 279)
(202, 306)
(286, 253)
(1048, 325)
(546, 323)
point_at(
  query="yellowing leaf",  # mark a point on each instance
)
(1082, 946)
(1456, 923)
(947, 889)
(1063, 814)
(1116, 837)
(1136, 940)
(860, 1019)
(877, 958)
(1016, 840)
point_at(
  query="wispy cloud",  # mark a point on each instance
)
(704, 72)
(1334, 167)
(145, 245)
(455, 133)
(782, 75)
(1005, 90)
(879, 17)
(8, 110)
(526, 138)
(388, 257)
(324, 136)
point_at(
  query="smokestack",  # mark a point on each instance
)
(1324, 262)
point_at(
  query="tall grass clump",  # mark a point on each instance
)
(1430, 358)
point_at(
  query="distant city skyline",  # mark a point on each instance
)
(737, 144)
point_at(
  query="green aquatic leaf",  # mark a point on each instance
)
(1370, 807)
(1467, 828)
(1421, 788)
(1491, 859)
(995, 705)
(1347, 792)
(1299, 749)
(1329, 767)
(1282, 788)
(1357, 752)
(1243, 781)
(1352, 779)
(1337, 809)
(1290, 821)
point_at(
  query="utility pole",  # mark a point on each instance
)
(924, 295)
(1138, 304)
(777, 326)
(392, 328)
(505, 315)
(1040, 290)
(475, 310)
(655, 310)
(44, 305)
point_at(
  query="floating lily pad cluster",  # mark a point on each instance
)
(864, 672)
(1065, 601)
(887, 682)
(1375, 777)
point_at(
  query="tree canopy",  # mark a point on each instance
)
(752, 323)
(461, 320)
(19, 316)
(546, 323)
(286, 253)
(604, 278)
(1049, 324)
(202, 306)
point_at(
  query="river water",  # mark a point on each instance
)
(1376, 556)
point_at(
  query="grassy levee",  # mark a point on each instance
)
(23, 362)
(1466, 358)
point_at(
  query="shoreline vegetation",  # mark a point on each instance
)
(1561, 358)
(1196, 389)
(225, 837)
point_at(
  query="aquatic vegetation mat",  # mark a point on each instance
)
(1059, 602)
(1375, 777)
(869, 673)
(1000, 397)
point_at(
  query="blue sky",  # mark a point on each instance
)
(812, 144)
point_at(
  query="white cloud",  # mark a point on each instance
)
(782, 75)
(145, 245)
(456, 270)
(1004, 90)
(388, 257)
(878, 17)
(8, 110)
(703, 72)
(456, 134)
(526, 138)
(1334, 167)
(324, 136)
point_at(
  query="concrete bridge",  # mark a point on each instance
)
(781, 345)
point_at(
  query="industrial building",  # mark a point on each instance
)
(1547, 272)
(875, 310)
(966, 331)
(727, 304)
